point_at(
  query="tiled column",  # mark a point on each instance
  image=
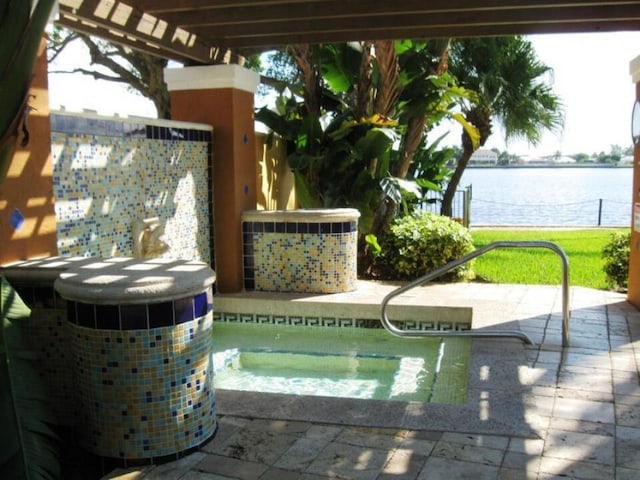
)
(222, 96)
(141, 336)
(633, 294)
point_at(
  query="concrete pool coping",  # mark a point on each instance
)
(498, 370)
(505, 391)
(362, 303)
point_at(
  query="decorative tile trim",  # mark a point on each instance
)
(40, 296)
(127, 128)
(314, 321)
(299, 227)
(140, 316)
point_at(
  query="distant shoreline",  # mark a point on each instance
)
(582, 165)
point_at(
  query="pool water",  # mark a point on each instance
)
(340, 362)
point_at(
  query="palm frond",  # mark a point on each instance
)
(28, 446)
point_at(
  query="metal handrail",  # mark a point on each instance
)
(483, 333)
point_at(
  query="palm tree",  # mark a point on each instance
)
(509, 81)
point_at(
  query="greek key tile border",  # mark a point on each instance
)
(319, 321)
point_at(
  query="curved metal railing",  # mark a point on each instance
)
(482, 333)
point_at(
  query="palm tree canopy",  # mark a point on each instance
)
(511, 83)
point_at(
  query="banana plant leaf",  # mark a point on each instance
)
(305, 194)
(28, 445)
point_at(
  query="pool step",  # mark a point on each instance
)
(358, 308)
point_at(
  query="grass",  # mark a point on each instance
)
(542, 266)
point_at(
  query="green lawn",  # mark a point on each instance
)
(542, 266)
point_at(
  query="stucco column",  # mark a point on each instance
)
(27, 214)
(633, 292)
(222, 96)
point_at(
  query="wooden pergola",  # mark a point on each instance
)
(200, 32)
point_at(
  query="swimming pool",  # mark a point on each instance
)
(362, 363)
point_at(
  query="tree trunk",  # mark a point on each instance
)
(411, 141)
(389, 84)
(158, 92)
(446, 208)
(364, 90)
(310, 76)
(480, 117)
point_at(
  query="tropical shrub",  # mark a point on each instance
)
(616, 259)
(355, 120)
(421, 243)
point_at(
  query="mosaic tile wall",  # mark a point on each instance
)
(144, 376)
(319, 321)
(110, 172)
(300, 256)
(47, 333)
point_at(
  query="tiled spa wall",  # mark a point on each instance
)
(291, 251)
(110, 172)
(144, 376)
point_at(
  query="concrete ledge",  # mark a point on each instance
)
(302, 215)
(363, 303)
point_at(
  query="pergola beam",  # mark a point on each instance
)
(415, 25)
(201, 31)
(121, 23)
(189, 13)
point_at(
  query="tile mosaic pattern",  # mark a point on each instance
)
(47, 332)
(315, 321)
(109, 173)
(144, 376)
(300, 256)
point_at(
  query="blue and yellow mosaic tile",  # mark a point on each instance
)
(144, 376)
(110, 173)
(300, 256)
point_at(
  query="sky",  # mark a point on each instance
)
(590, 75)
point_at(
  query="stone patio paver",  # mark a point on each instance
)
(580, 447)
(231, 467)
(438, 468)
(404, 464)
(628, 448)
(348, 461)
(556, 468)
(468, 453)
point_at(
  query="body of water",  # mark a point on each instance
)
(550, 196)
